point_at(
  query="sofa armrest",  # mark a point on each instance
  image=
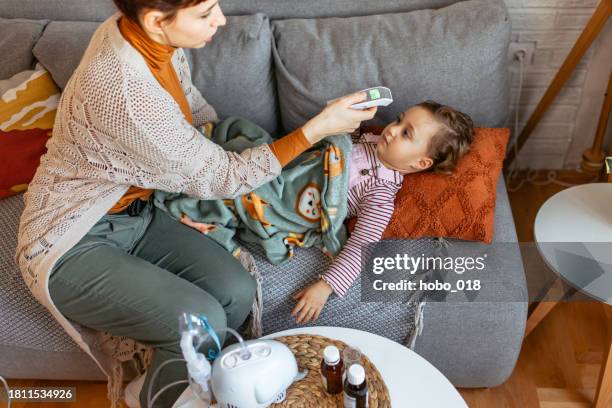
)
(477, 344)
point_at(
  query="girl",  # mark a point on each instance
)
(427, 136)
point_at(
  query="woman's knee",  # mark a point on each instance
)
(195, 302)
(209, 307)
(236, 294)
(246, 283)
(240, 288)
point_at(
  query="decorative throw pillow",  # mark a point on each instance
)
(460, 205)
(28, 103)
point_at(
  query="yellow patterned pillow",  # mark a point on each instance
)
(28, 103)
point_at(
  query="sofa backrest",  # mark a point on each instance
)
(455, 55)
(279, 72)
(100, 10)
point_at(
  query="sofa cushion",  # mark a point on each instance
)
(24, 321)
(393, 318)
(234, 72)
(17, 37)
(455, 55)
(61, 47)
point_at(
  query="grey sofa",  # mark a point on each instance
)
(276, 63)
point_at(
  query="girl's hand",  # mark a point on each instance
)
(338, 117)
(311, 301)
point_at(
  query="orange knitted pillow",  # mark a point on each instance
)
(461, 205)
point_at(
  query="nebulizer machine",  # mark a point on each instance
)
(248, 374)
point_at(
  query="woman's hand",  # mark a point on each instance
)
(338, 117)
(311, 301)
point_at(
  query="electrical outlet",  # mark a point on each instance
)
(527, 47)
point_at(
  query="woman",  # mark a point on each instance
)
(92, 248)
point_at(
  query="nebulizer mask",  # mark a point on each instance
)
(249, 374)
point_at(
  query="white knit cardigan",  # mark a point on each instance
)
(116, 127)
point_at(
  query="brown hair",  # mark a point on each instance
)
(452, 140)
(133, 8)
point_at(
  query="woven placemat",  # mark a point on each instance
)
(309, 392)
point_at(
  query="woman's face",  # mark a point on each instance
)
(192, 27)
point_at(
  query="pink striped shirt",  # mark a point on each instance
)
(371, 197)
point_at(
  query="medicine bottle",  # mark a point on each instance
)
(355, 388)
(331, 370)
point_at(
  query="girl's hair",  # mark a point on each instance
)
(452, 140)
(133, 8)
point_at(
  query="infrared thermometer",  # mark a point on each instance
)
(377, 96)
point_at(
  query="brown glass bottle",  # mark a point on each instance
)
(355, 388)
(331, 370)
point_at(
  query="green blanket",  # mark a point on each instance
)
(305, 206)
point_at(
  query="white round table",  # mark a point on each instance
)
(412, 381)
(573, 233)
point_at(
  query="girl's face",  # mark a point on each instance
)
(192, 27)
(404, 144)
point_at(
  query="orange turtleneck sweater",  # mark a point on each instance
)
(158, 58)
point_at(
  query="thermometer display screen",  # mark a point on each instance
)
(374, 94)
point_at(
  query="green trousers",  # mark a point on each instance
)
(133, 275)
